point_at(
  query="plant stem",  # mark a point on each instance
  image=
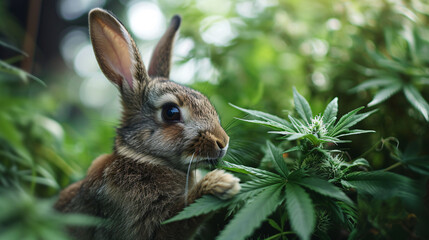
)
(371, 149)
(392, 166)
(383, 142)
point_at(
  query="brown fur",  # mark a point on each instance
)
(135, 198)
(142, 183)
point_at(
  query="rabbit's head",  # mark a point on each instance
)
(161, 120)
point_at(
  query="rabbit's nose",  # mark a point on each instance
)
(223, 149)
(220, 144)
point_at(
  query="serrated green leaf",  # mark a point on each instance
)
(302, 107)
(417, 101)
(355, 132)
(274, 224)
(331, 139)
(379, 183)
(343, 121)
(297, 125)
(203, 205)
(277, 158)
(266, 123)
(281, 132)
(237, 170)
(254, 171)
(296, 148)
(257, 183)
(385, 93)
(325, 188)
(335, 211)
(386, 63)
(297, 175)
(252, 214)
(350, 213)
(358, 162)
(349, 121)
(296, 136)
(330, 111)
(354, 119)
(417, 164)
(361, 162)
(263, 115)
(374, 82)
(330, 123)
(313, 139)
(301, 210)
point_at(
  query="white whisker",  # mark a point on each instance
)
(187, 180)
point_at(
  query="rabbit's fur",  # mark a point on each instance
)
(142, 183)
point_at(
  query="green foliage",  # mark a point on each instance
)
(309, 179)
(26, 136)
(318, 129)
(30, 163)
(24, 217)
(199, 208)
(325, 188)
(252, 214)
(300, 210)
(399, 73)
(378, 49)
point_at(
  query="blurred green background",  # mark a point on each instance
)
(249, 53)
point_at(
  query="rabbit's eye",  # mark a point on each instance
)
(171, 113)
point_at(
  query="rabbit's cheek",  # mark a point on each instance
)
(172, 133)
(144, 134)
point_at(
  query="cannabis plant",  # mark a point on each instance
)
(401, 67)
(311, 190)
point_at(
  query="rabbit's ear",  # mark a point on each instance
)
(161, 58)
(115, 50)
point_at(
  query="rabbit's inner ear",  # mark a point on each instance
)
(114, 49)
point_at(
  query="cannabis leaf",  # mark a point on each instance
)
(318, 129)
(394, 75)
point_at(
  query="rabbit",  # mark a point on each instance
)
(165, 129)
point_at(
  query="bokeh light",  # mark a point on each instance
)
(97, 91)
(183, 47)
(84, 63)
(217, 31)
(220, 7)
(72, 42)
(333, 24)
(185, 72)
(72, 9)
(146, 20)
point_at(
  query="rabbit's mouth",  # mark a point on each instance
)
(202, 159)
(209, 161)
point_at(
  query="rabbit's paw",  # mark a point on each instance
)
(221, 184)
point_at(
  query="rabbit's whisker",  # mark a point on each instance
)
(187, 179)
